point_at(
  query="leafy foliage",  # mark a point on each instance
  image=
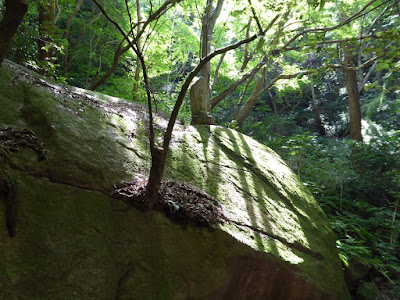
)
(356, 184)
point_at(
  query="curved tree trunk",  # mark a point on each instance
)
(246, 109)
(253, 72)
(14, 13)
(209, 19)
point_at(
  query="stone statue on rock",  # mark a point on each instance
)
(200, 103)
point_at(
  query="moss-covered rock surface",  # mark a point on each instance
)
(64, 236)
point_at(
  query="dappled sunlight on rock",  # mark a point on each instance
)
(264, 230)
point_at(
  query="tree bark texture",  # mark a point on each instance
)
(248, 106)
(159, 156)
(210, 17)
(138, 65)
(46, 31)
(354, 101)
(155, 177)
(14, 13)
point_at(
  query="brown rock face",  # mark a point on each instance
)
(257, 278)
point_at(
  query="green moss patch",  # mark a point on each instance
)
(80, 243)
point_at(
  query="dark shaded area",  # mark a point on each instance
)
(256, 278)
(181, 202)
(7, 193)
(11, 139)
(15, 12)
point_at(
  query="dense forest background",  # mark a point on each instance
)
(317, 81)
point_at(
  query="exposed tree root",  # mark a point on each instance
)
(179, 201)
(11, 139)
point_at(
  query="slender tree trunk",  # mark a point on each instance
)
(354, 101)
(263, 62)
(14, 13)
(318, 121)
(243, 94)
(246, 109)
(75, 45)
(276, 113)
(215, 79)
(118, 52)
(159, 156)
(364, 78)
(138, 65)
(205, 40)
(66, 60)
(230, 89)
(246, 56)
(155, 177)
(210, 17)
(46, 31)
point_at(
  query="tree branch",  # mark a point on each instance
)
(255, 16)
(153, 16)
(215, 79)
(67, 61)
(185, 86)
(310, 72)
(226, 92)
(326, 29)
(357, 68)
(338, 41)
(133, 45)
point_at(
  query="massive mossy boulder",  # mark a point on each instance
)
(64, 235)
